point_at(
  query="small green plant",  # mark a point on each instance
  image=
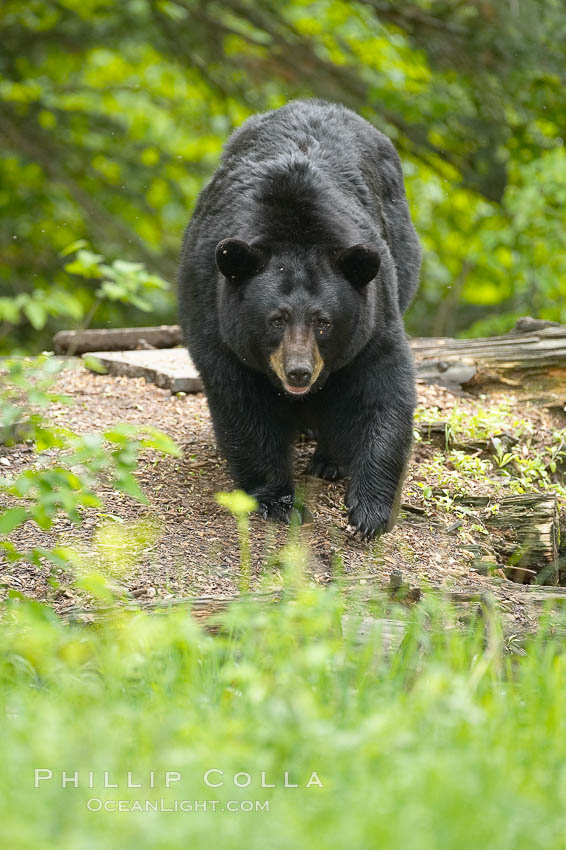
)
(470, 466)
(69, 466)
(477, 425)
(435, 474)
(557, 452)
(240, 505)
(508, 453)
(24, 393)
(529, 467)
(37, 306)
(502, 457)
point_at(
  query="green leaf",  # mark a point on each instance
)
(94, 364)
(126, 482)
(9, 310)
(24, 482)
(36, 313)
(112, 290)
(125, 267)
(42, 516)
(122, 434)
(95, 584)
(10, 552)
(156, 439)
(48, 438)
(74, 246)
(11, 519)
(58, 556)
(140, 303)
(238, 502)
(86, 264)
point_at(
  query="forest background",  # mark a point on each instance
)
(113, 116)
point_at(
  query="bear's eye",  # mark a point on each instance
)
(322, 325)
(277, 322)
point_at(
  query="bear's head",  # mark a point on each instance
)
(296, 313)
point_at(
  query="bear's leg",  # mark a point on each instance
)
(374, 494)
(372, 431)
(256, 442)
(322, 466)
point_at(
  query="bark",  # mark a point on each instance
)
(532, 357)
(119, 339)
(526, 535)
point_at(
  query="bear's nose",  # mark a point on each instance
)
(298, 376)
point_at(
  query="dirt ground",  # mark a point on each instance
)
(190, 544)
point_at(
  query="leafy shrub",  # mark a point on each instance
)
(66, 484)
(89, 286)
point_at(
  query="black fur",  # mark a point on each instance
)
(311, 200)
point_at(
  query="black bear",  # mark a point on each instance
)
(297, 265)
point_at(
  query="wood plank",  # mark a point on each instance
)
(170, 368)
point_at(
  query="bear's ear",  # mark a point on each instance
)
(237, 260)
(359, 264)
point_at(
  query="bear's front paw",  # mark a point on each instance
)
(321, 467)
(280, 508)
(368, 519)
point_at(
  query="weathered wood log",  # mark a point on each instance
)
(202, 608)
(360, 630)
(356, 629)
(467, 605)
(531, 359)
(118, 339)
(526, 535)
(535, 359)
(172, 369)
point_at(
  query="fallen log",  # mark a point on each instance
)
(467, 605)
(526, 535)
(116, 339)
(531, 357)
(205, 609)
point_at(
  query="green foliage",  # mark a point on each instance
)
(240, 505)
(24, 393)
(69, 466)
(122, 281)
(444, 744)
(494, 445)
(103, 284)
(113, 117)
(486, 418)
(529, 467)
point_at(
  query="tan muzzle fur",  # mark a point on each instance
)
(298, 346)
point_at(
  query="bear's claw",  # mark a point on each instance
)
(368, 523)
(321, 467)
(279, 509)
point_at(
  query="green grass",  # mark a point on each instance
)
(448, 743)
